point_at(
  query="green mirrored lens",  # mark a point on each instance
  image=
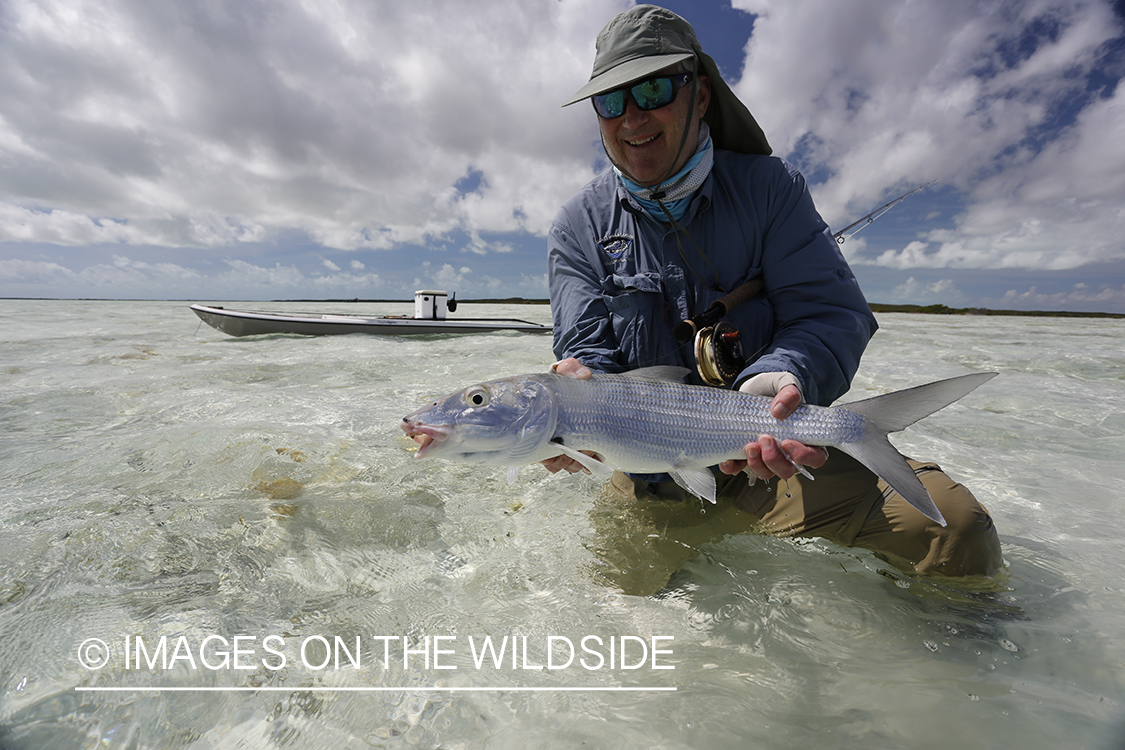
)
(648, 95)
(653, 93)
(610, 105)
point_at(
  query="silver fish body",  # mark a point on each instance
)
(647, 422)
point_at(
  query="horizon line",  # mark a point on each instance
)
(422, 689)
(880, 307)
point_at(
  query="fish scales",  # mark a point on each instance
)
(641, 424)
(658, 421)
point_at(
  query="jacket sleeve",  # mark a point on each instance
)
(822, 322)
(578, 309)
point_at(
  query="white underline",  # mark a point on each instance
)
(296, 688)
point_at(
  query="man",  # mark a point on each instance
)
(693, 208)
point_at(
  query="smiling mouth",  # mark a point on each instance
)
(643, 141)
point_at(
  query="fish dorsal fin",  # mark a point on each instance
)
(660, 372)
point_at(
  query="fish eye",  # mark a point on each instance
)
(478, 395)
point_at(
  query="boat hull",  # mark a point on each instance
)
(246, 323)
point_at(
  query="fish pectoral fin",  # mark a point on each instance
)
(594, 465)
(699, 482)
(513, 475)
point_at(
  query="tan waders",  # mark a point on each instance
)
(846, 504)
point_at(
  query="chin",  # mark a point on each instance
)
(645, 177)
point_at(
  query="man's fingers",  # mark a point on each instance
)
(732, 467)
(562, 463)
(767, 458)
(566, 463)
(785, 402)
(755, 464)
(806, 455)
(774, 459)
(572, 368)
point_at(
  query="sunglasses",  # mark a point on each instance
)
(647, 95)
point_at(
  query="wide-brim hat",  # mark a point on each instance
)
(645, 40)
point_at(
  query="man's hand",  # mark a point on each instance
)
(766, 458)
(570, 368)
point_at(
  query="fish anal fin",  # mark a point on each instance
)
(800, 469)
(699, 482)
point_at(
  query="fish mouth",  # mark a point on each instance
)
(430, 434)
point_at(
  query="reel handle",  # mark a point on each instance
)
(685, 330)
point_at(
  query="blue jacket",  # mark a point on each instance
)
(619, 283)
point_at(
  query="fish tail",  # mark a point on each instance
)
(896, 411)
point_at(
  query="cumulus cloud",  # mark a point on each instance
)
(1081, 297)
(124, 276)
(529, 286)
(915, 292)
(63, 227)
(167, 123)
(288, 135)
(31, 272)
(243, 279)
(1000, 100)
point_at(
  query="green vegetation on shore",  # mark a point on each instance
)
(943, 310)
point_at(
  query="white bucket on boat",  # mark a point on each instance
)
(429, 305)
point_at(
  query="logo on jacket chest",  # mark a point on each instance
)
(616, 245)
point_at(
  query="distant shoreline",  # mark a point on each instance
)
(943, 310)
(875, 306)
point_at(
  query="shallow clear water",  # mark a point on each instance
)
(158, 478)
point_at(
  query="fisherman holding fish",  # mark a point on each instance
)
(694, 207)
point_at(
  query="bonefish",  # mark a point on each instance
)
(647, 422)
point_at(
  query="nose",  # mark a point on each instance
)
(634, 116)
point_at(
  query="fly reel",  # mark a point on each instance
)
(718, 354)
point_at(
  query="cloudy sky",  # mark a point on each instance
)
(280, 149)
